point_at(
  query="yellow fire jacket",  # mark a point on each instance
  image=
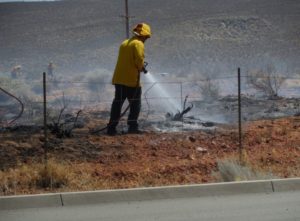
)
(130, 63)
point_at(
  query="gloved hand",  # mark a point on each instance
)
(144, 68)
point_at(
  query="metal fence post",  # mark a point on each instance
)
(240, 117)
(181, 101)
(45, 119)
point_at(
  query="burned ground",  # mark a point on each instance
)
(88, 162)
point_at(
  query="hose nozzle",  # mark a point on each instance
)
(144, 68)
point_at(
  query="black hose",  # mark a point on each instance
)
(22, 105)
(104, 128)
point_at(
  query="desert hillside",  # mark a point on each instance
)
(197, 37)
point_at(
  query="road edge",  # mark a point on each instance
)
(151, 193)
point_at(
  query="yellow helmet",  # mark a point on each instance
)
(142, 29)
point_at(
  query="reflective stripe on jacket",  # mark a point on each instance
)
(130, 63)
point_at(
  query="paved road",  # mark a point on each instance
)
(282, 206)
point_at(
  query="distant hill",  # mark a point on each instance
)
(190, 37)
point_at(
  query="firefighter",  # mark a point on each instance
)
(50, 69)
(16, 72)
(126, 79)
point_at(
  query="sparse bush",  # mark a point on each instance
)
(94, 83)
(96, 79)
(209, 90)
(53, 175)
(231, 170)
(63, 123)
(266, 81)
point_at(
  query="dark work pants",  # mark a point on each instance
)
(133, 95)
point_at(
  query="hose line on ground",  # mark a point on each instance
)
(21, 103)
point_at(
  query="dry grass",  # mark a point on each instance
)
(230, 169)
(28, 177)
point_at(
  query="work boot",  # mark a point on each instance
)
(111, 131)
(134, 130)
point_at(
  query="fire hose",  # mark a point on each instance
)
(22, 105)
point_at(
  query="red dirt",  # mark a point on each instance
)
(153, 159)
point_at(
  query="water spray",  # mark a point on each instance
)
(169, 104)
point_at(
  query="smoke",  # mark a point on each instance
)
(162, 94)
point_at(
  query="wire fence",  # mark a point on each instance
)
(85, 107)
(210, 97)
(161, 96)
(167, 96)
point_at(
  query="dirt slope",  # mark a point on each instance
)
(88, 162)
